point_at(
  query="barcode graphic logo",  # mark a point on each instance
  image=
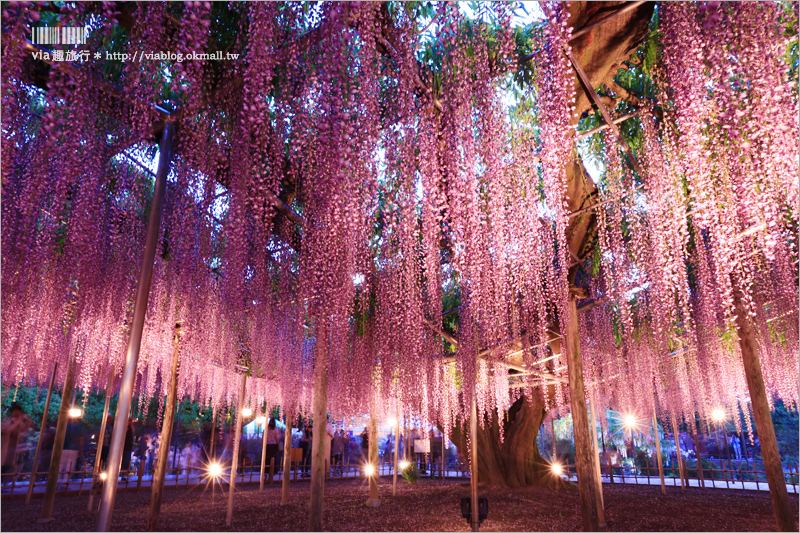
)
(62, 35)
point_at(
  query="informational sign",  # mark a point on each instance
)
(422, 446)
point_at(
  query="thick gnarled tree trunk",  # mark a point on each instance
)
(515, 462)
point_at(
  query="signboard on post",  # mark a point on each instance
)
(422, 446)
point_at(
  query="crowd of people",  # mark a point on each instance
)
(143, 448)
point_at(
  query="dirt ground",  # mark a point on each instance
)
(425, 506)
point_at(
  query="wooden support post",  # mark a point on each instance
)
(396, 443)
(553, 433)
(287, 461)
(235, 459)
(580, 422)
(58, 445)
(784, 516)
(166, 437)
(658, 453)
(101, 436)
(598, 486)
(473, 463)
(677, 432)
(317, 488)
(41, 435)
(115, 447)
(374, 499)
(264, 430)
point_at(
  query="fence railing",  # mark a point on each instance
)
(714, 475)
(80, 481)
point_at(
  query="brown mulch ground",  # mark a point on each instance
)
(426, 506)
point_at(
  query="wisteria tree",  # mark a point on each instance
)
(390, 195)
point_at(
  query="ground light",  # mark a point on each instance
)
(214, 470)
(103, 476)
(369, 469)
(403, 465)
(75, 412)
(556, 468)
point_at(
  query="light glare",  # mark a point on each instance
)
(630, 421)
(75, 412)
(369, 469)
(718, 414)
(103, 476)
(556, 468)
(247, 411)
(214, 470)
(403, 465)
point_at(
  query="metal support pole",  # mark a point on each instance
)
(101, 436)
(598, 481)
(394, 470)
(264, 453)
(580, 419)
(235, 459)
(441, 470)
(318, 438)
(784, 516)
(58, 445)
(287, 460)
(373, 500)
(658, 453)
(166, 438)
(213, 430)
(473, 473)
(41, 435)
(137, 326)
(177, 433)
(676, 433)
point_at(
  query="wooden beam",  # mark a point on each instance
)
(603, 109)
(602, 127)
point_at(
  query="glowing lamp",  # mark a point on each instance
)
(103, 476)
(75, 413)
(718, 415)
(556, 468)
(247, 411)
(392, 422)
(403, 465)
(214, 470)
(630, 421)
(260, 420)
(369, 469)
